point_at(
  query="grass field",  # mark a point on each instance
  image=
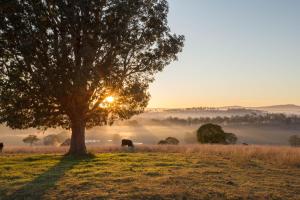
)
(183, 172)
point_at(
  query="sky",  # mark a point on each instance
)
(237, 52)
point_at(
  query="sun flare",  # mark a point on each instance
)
(109, 99)
(107, 102)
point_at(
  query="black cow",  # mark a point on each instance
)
(128, 143)
(246, 144)
(1, 147)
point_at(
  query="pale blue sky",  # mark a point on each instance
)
(237, 52)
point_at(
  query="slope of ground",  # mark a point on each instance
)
(208, 172)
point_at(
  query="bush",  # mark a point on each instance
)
(214, 134)
(294, 141)
(163, 142)
(170, 141)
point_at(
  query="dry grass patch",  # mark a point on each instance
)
(183, 172)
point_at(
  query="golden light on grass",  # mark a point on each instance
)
(277, 155)
(222, 171)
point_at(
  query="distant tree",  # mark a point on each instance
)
(61, 60)
(214, 134)
(31, 139)
(51, 140)
(294, 141)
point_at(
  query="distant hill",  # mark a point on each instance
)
(286, 109)
(286, 106)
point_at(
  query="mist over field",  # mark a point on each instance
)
(154, 125)
(149, 99)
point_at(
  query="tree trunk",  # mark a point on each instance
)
(77, 146)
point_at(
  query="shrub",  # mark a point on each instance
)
(170, 141)
(163, 142)
(214, 134)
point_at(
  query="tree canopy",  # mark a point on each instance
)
(214, 134)
(31, 139)
(61, 59)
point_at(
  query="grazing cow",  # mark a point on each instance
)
(1, 147)
(128, 143)
(245, 144)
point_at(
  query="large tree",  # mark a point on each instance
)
(61, 59)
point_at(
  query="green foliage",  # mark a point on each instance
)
(214, 134)
(294, 141)
(31, 139)
(61, 59)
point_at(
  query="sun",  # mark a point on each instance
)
(107, 102)
(109, 99)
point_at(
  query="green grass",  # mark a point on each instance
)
(146, 176)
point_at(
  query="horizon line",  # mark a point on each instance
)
(232, 106)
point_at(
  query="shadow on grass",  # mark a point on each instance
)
(37, 188)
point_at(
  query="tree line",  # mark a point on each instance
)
(249, 119)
